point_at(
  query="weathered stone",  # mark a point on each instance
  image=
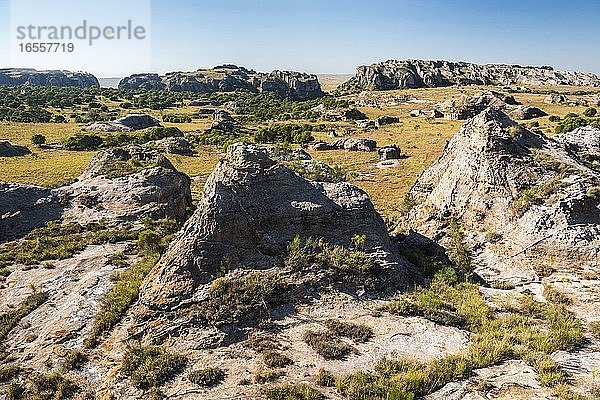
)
(173, 145)
(32, 77)
(386, 120)
(9, 150)
(129, 123)
(347, 144)
(251, 209)
(354, 114)
(391, 152)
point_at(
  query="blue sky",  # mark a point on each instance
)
(334, 36)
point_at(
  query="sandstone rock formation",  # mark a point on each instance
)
(386, 120)
(389, 153)
(223, 121)
(521, 197)
(9, 150)
(347, 144)
(469, 106)
(228, 78)
(129, 123)
(32, 77)
(585, 143)
(119, 185)
(173, 145)
(408, 74)
(251, 210)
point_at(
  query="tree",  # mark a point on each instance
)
(38, 140)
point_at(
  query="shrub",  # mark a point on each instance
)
(74, 359)
(15, 391)
(8, 372)
(267, 376)
(327, 345)
(356, 332)
(176, 118)
(53, 386)
(285, 133)
(554, 118)
(301, 391)
(151, 366)
(590, 112)
(83, 142)
(274, 359)
(458, 250)
(207, 377)
(325, 378)
(38, 140)
(149, 240)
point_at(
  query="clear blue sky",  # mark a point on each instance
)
(334, 36)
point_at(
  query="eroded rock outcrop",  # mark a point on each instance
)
(32, 77)
(347, 144)
(129, 123)
(228, 78)
(9, 150)
(251, 210)
(120, 185)
(407, 74)
(469, 106)
(518, 195)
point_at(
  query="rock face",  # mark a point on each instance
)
(469, 106)
(585, 143)
(251, 210)
(119, 185)
(408, 74)
(518, 195)
(347, 144)
(174, 145)
(129, 123)
(228, 78)
(223, 121)
(32, 77)
(9, 150)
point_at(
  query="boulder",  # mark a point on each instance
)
(223, 121)
(522, 113)
(416, 113)
(556, 99)
(129, 123)
(386, 120)
(391, 152)
(9, 150)
(366, 124)
(436, 114)
(347, 144)
(354, 114)
(252, 208)
(173, 145)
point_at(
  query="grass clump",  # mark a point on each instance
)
(8, 372)
(74, 359)
(58, 241)
(327, 345)
(151, 366)
(242, 299)
(325, 378)
(274, 359)
(301, 391)
(52, 386)
(356, 332)
(118, 300)
(267, 376)
(457, 248)
(207, 377)
(10, 319)
(536, 195)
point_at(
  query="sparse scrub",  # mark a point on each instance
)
(536, 195)
(74, 359)
(503, 285)
(274, 359)
(325, 378)
(151, 366)
(356, 332)
(267, 376)
(10, 319)
(207, 377)
(327, 345)
(8, 372)
(457, 248)
(118, 300)
(52, 386)
(301, 391)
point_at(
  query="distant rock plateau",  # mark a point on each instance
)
(32, 77)
(413, 74)
(228, 78)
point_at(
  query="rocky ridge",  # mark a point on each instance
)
(410, 74)
(228, 78)
(32, 77)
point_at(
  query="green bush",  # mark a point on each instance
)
(285, 133)
(74, 359)
(207, 377)
(176, 118)
(149, 240)
(83, 142)
(151, 366)
(38, 140)
(590, 112)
